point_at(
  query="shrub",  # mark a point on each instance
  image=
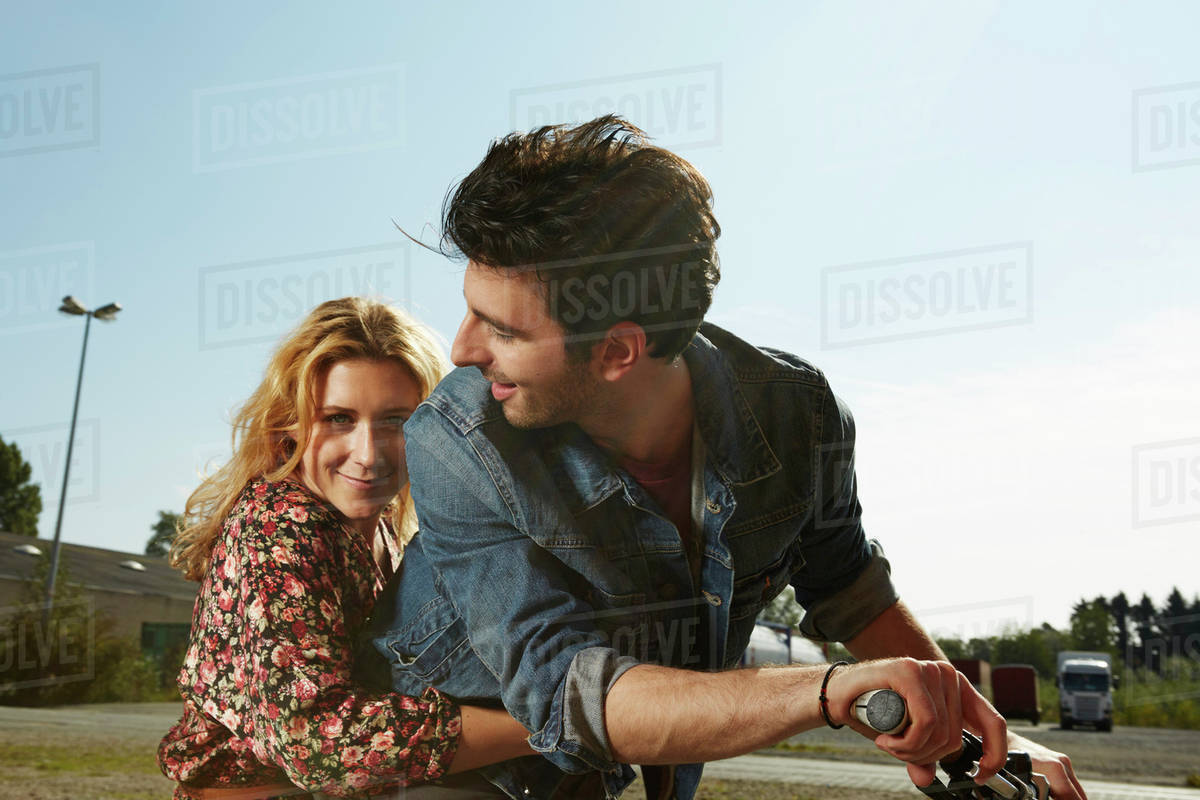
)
(70, 655)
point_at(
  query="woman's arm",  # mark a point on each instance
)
(488, 735)
(282, 669)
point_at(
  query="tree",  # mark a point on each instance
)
(1192, 628)
(980, 648)
(783, 609)
(1120, 614)
(952, 646)
(1092, 626)
(20, 500)
(1146, 618)
(1175, 622)
(164, 533)
(42, 649)
(1025, 647)
(1055, 640)
(1174, 612)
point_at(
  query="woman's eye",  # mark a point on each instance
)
(338, 419)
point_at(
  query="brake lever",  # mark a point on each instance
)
(884, 711)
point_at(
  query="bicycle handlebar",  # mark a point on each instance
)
(884, 711)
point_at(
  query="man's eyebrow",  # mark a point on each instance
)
(495, 323)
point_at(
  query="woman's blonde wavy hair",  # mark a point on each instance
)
(271, 431)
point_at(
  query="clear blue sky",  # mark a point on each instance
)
(1012, 184)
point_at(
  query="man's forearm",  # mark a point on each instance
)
(660, 715)
(894, 633)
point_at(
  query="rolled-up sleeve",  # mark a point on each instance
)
(592, 673)
(845, 580)
(553, 665)
(841, 616)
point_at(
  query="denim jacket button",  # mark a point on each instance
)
(713, 506)
(713, 599)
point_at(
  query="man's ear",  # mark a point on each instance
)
(620, 349)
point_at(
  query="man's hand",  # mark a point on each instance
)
(1054, 765)
(896, 631)
(941, 702)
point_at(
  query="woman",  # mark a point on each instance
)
(292, 541)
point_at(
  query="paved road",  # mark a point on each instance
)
(142, 718)
(154, 718)
(886, 777)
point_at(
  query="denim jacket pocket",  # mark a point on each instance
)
(603, 600)
(435, 651)
(752, 593)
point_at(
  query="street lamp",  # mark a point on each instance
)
(106, 313)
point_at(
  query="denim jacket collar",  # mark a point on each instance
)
(735, 443)
(582, 463)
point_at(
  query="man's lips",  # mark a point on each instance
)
(503, 391)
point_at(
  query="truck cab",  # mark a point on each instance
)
(1085, 683)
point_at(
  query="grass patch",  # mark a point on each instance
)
(1170, 699)
(1193, 780)
(800, 747)
(85, 761)
(745, 790)
(723, 789)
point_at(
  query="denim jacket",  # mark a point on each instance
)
(543, 571)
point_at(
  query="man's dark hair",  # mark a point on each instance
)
(613, 227)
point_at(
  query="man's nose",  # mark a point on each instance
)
(468, 349)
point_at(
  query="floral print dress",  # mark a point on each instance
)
(266, 680)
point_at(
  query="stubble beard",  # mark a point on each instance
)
(566, 400)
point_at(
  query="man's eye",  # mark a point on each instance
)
(395, 420)
(503, 337)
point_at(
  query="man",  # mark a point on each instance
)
(609, 491)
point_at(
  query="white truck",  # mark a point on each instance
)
(1085, 684)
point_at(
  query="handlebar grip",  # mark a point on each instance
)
(885, 711)
(882, 710)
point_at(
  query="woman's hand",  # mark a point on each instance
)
(1054, 765)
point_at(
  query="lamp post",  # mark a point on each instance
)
(105, 313)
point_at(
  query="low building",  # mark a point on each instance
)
(142, 597)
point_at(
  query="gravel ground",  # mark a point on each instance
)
(44, 756)
(108, 752)
(761, 790)
(1133, 755)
